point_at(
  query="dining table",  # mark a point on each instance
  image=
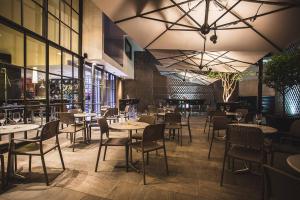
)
(129, 126)
(11, 130)
(294, 162)
(267, 130)
(84, 116)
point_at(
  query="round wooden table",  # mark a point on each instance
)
(264, 129)
(84, 115)
(294, 162)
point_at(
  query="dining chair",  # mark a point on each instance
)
(289, 142)
(188, 125)
(245, 144)
(280, 185)
(72, 128)
(152, 140)
(38, 147)
(111, 114)
(149, 119)
(114, 142)
(209, 123)
(173, 123)
(219, 123)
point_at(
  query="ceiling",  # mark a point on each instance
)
(180, 33)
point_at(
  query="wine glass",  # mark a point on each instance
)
(227, 108)
(16, 117)
(239, 117)
(2, 118)
(222, 108)
(258, 118)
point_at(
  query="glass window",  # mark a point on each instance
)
(55, 88)
(54, 61)
(74, 42)
(53, 7)
(11, 46)
(32, 16)
(75, 21)
(35, 84)
(11, 9)
(53, 29)
(65, 36)
(35, 54)
(65, 14)
(67, 65)
(75, 5)
(75, 67)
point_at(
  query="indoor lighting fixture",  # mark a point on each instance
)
(214, 37)
(34, 75)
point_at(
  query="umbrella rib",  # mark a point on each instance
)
(180, 61)
(189, 58)
(184, 61)
(219, 56)
(227, 11)
(168, 22)
(171, 25)
(174, 56)
(233, 59)
(152, 11)
(278, 3)
(253, 29)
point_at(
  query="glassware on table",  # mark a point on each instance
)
(239, 117)
(258, 118)
(222, 108)
(16, 117)
(227, 108)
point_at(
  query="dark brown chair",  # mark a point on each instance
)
(38, 147)
(149, 119)
(219, 123)
(104, 129)
(187, 124)
(152, 140)
(173, 123)
(210, 117)
(244, 143)
(289, 143)
(280, 185)
(72, 126)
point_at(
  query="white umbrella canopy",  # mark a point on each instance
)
(240, 25)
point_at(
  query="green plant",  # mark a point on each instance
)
(282, 73)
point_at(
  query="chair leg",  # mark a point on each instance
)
(126, 156)
(181, 137)
(61, 157)
(190, 133)
(104, 153)
(147, 158)
(166, 161)
(74, 139)
(205, 126)
(45, 170)
(223, 168)
(98, 156)
(211, 142)
(2, 171)
(29, 166)
(143, 166)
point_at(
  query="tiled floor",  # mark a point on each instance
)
(191, 176)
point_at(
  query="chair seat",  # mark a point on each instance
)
(245, 154)
(137, 136)
(151, 146)
(72, 129)
(173, 126)
(116, 141)
(33, 149)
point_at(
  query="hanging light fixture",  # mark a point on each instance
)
(214, 37)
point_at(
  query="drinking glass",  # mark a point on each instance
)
(258, 118)
(239, 117)
(16, 117)
(2, 118)
(222, 108)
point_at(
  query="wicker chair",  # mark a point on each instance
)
(244, 143)
(152, 140)
(219, 123)
(72, 126)
(104, 129)
(149, 119)
(173, 123)
(280, 185)
(37, 147)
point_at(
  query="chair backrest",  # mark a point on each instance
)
(279, 185)
(295, 128)
(74, 111)
(219, 113)
(173, 118)
(50, 130)
(150, 119)
(220, 122)
(153, 132)
(244, 136)
(244, 111)
(66, 118)
(103, 125)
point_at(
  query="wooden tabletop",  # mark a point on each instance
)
(265, 129)
(231, 113)
(129, 125)
(9, 129)
(82, 115)
(294, 162)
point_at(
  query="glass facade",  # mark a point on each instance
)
(39, 56)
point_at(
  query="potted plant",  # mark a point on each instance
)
(282, 73)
